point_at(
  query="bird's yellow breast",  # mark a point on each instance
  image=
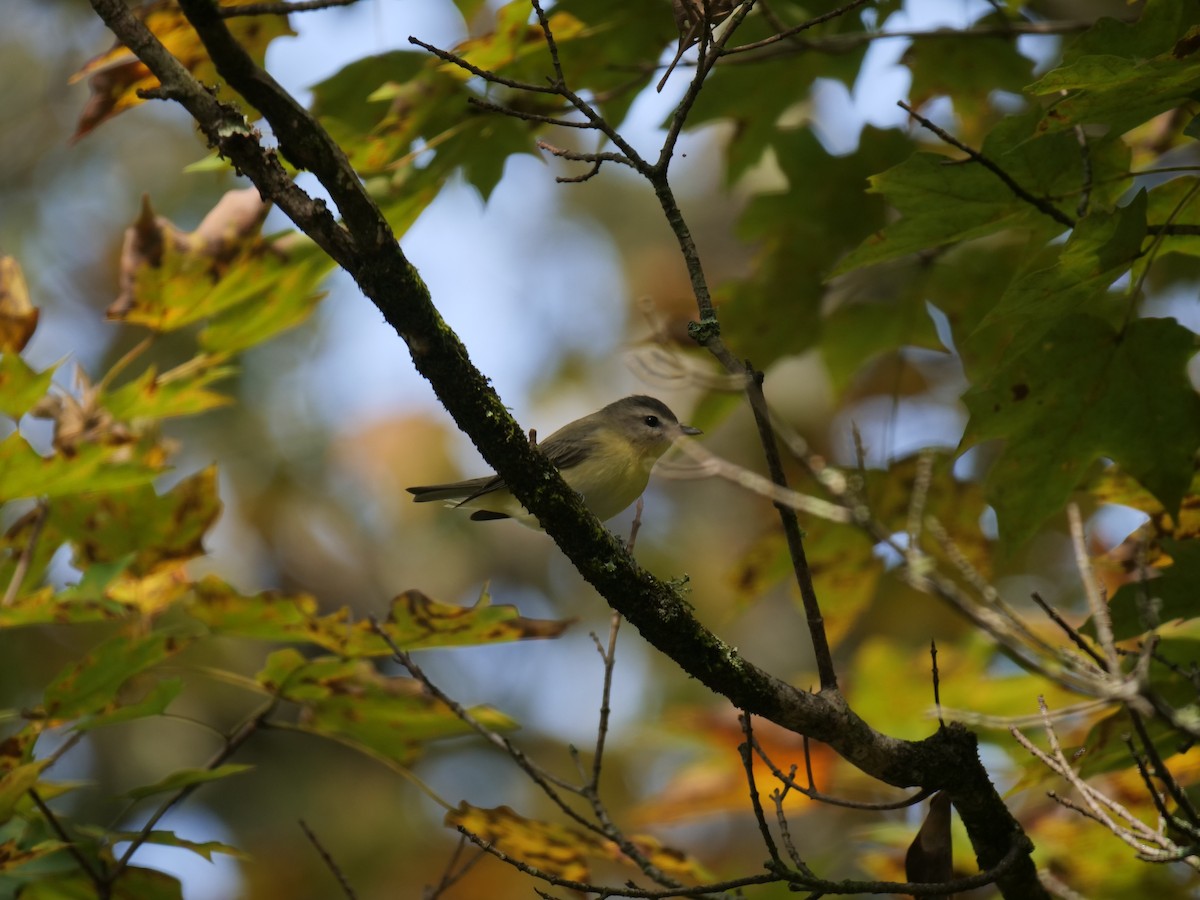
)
(612, 476)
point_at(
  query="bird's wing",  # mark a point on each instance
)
(567, 453)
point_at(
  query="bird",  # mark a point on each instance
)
(605, 456)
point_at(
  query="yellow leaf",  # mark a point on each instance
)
(152, 593)
(562, 850)
(18, 316)
(116, 76)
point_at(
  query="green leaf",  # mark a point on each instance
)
(1172, 595)
(26, 473)
(139, 522)
(205, 849)
(290, 300)
(967, 71)
(861, 330)
(1176, 203)
(20, 386)
(186, 286)
(348, 701)
(388, 110)
(611, 55)
(414, 621)
(134, 884)
(186, 778)
(13, 855)
(1084, 392)
(153, 704)
(1101, 248)
(945, 201)
(14, 783)
(1120, 75)
(734, 93)
(799, 232)
(180, 392)
(92, 684)
(87, 601)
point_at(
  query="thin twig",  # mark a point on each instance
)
(792, 878)
(449, 875)
(549, 784)
(329, 861)
(39, 515)
(609, 656)
(249, 726)
(846, 43)
(1161, 772)
(791, 530)
(746, 751)
(488, 106)
(1072, 634)
(99, 879)
(637, 524)
(583, 156)
(804, 26)
(937, 693)
(1097, 602)
(280, 8)
(813, 794)
(1041, 205)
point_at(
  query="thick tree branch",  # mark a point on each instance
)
(366, 248)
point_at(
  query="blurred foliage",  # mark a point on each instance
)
(887, 289)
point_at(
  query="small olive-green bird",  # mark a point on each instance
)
(606, 456)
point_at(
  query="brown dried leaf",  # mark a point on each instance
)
(18, 316)
(226, 230)
(689, 20)
(81, 420)
(930, 857)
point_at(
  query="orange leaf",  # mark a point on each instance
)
(715, 781)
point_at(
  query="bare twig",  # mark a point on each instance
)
(636, 526)
(38, 522)
(548, 783)
(488, 106)
(450, 875)
(746, 751)
(803, 26)
(1149, 844)
(280, 9)
(709, 465)
(789, 779)
(1072, 634)
(583, 156)
(1097, 602)
(329, 861)
(1040, 204)
(795, 879)
(791, 530)
(99, 878)
(937, 693)
(233, 741)
(609, 657)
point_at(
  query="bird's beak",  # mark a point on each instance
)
(688, 429)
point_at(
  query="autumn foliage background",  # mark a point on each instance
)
(207, 410)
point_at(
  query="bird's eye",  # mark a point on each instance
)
(652, 421)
